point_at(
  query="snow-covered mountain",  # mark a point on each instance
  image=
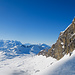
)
(28, 59)
(12, 48)
(26, 64)
(38, 65)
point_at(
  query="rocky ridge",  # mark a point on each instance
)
(64, 45)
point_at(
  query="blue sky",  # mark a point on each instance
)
(35, 21)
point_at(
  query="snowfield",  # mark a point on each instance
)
(14, 61)
(38, 65)
(65, 66)
(25, 65)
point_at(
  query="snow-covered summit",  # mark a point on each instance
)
(9, 43)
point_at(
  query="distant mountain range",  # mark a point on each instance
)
(14, 48)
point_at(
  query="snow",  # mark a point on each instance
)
(15, 62)
(15, 48)
(65, 66)
(65, 29)
(38, 65)
(73, 35)
(25, 65)
(63, 46)
(62, 43)
(18, 59)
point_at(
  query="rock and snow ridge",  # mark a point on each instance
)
(65, 43)
(27, 64)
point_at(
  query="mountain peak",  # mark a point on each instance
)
(65, 43)
(73, 19)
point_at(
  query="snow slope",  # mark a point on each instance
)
(25, 65)
(65, 66)
(38, 65)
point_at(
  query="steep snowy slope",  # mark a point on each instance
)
(65, 66)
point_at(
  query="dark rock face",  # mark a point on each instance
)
(65, 43)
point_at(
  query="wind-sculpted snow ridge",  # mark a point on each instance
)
(10, 48)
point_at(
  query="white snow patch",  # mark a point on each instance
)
(63, 46)
(62, 43)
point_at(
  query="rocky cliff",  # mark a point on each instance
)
(65, 43)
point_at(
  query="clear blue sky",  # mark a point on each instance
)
(35, 21)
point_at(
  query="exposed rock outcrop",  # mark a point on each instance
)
(43, 52)
(65, 43)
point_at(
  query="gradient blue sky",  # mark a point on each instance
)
(35, 21)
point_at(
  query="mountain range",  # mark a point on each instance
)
(12, 48)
